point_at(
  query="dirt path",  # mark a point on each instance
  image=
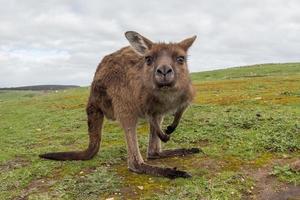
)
(269, 187)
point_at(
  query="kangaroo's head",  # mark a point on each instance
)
(164, 64)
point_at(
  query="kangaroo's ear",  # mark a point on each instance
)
(139, 43)
(187, 43)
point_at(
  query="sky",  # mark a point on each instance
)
(62, 41)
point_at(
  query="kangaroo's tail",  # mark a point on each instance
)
(95, 122)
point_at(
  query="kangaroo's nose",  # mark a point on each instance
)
(164, 70)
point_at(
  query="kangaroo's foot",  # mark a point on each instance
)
(163, 137)
(171, 173)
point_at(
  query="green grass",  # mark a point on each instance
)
(261, 70)
(285, 173)
(243, 118)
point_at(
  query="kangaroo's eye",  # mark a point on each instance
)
(149, 60)
(180, 59)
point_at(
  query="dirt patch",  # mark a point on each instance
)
(36, 187)
(268, 187)
(17, 162)
(289, 192)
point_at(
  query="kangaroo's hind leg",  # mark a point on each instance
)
(135, 160)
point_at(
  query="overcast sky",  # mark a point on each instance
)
(62, 41)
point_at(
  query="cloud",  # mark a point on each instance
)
(62, 42)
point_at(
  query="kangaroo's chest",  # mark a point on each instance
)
(164, 103)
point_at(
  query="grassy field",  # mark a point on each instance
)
(246, 120)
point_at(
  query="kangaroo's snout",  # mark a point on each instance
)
(164, 75)
(164, 70)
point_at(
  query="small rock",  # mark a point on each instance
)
(295, 166)
(151, 180)
(111, 198)
(81, 172)
(285, 156)
(140, 187)
(17, 184)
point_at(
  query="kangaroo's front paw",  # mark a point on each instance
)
(169, 130)
(164, 137)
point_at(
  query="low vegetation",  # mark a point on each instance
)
(246, 120)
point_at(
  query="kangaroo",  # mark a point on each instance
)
(144, 80)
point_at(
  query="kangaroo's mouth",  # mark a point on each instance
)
(165, 84)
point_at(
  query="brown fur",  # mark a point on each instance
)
(125, 88)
